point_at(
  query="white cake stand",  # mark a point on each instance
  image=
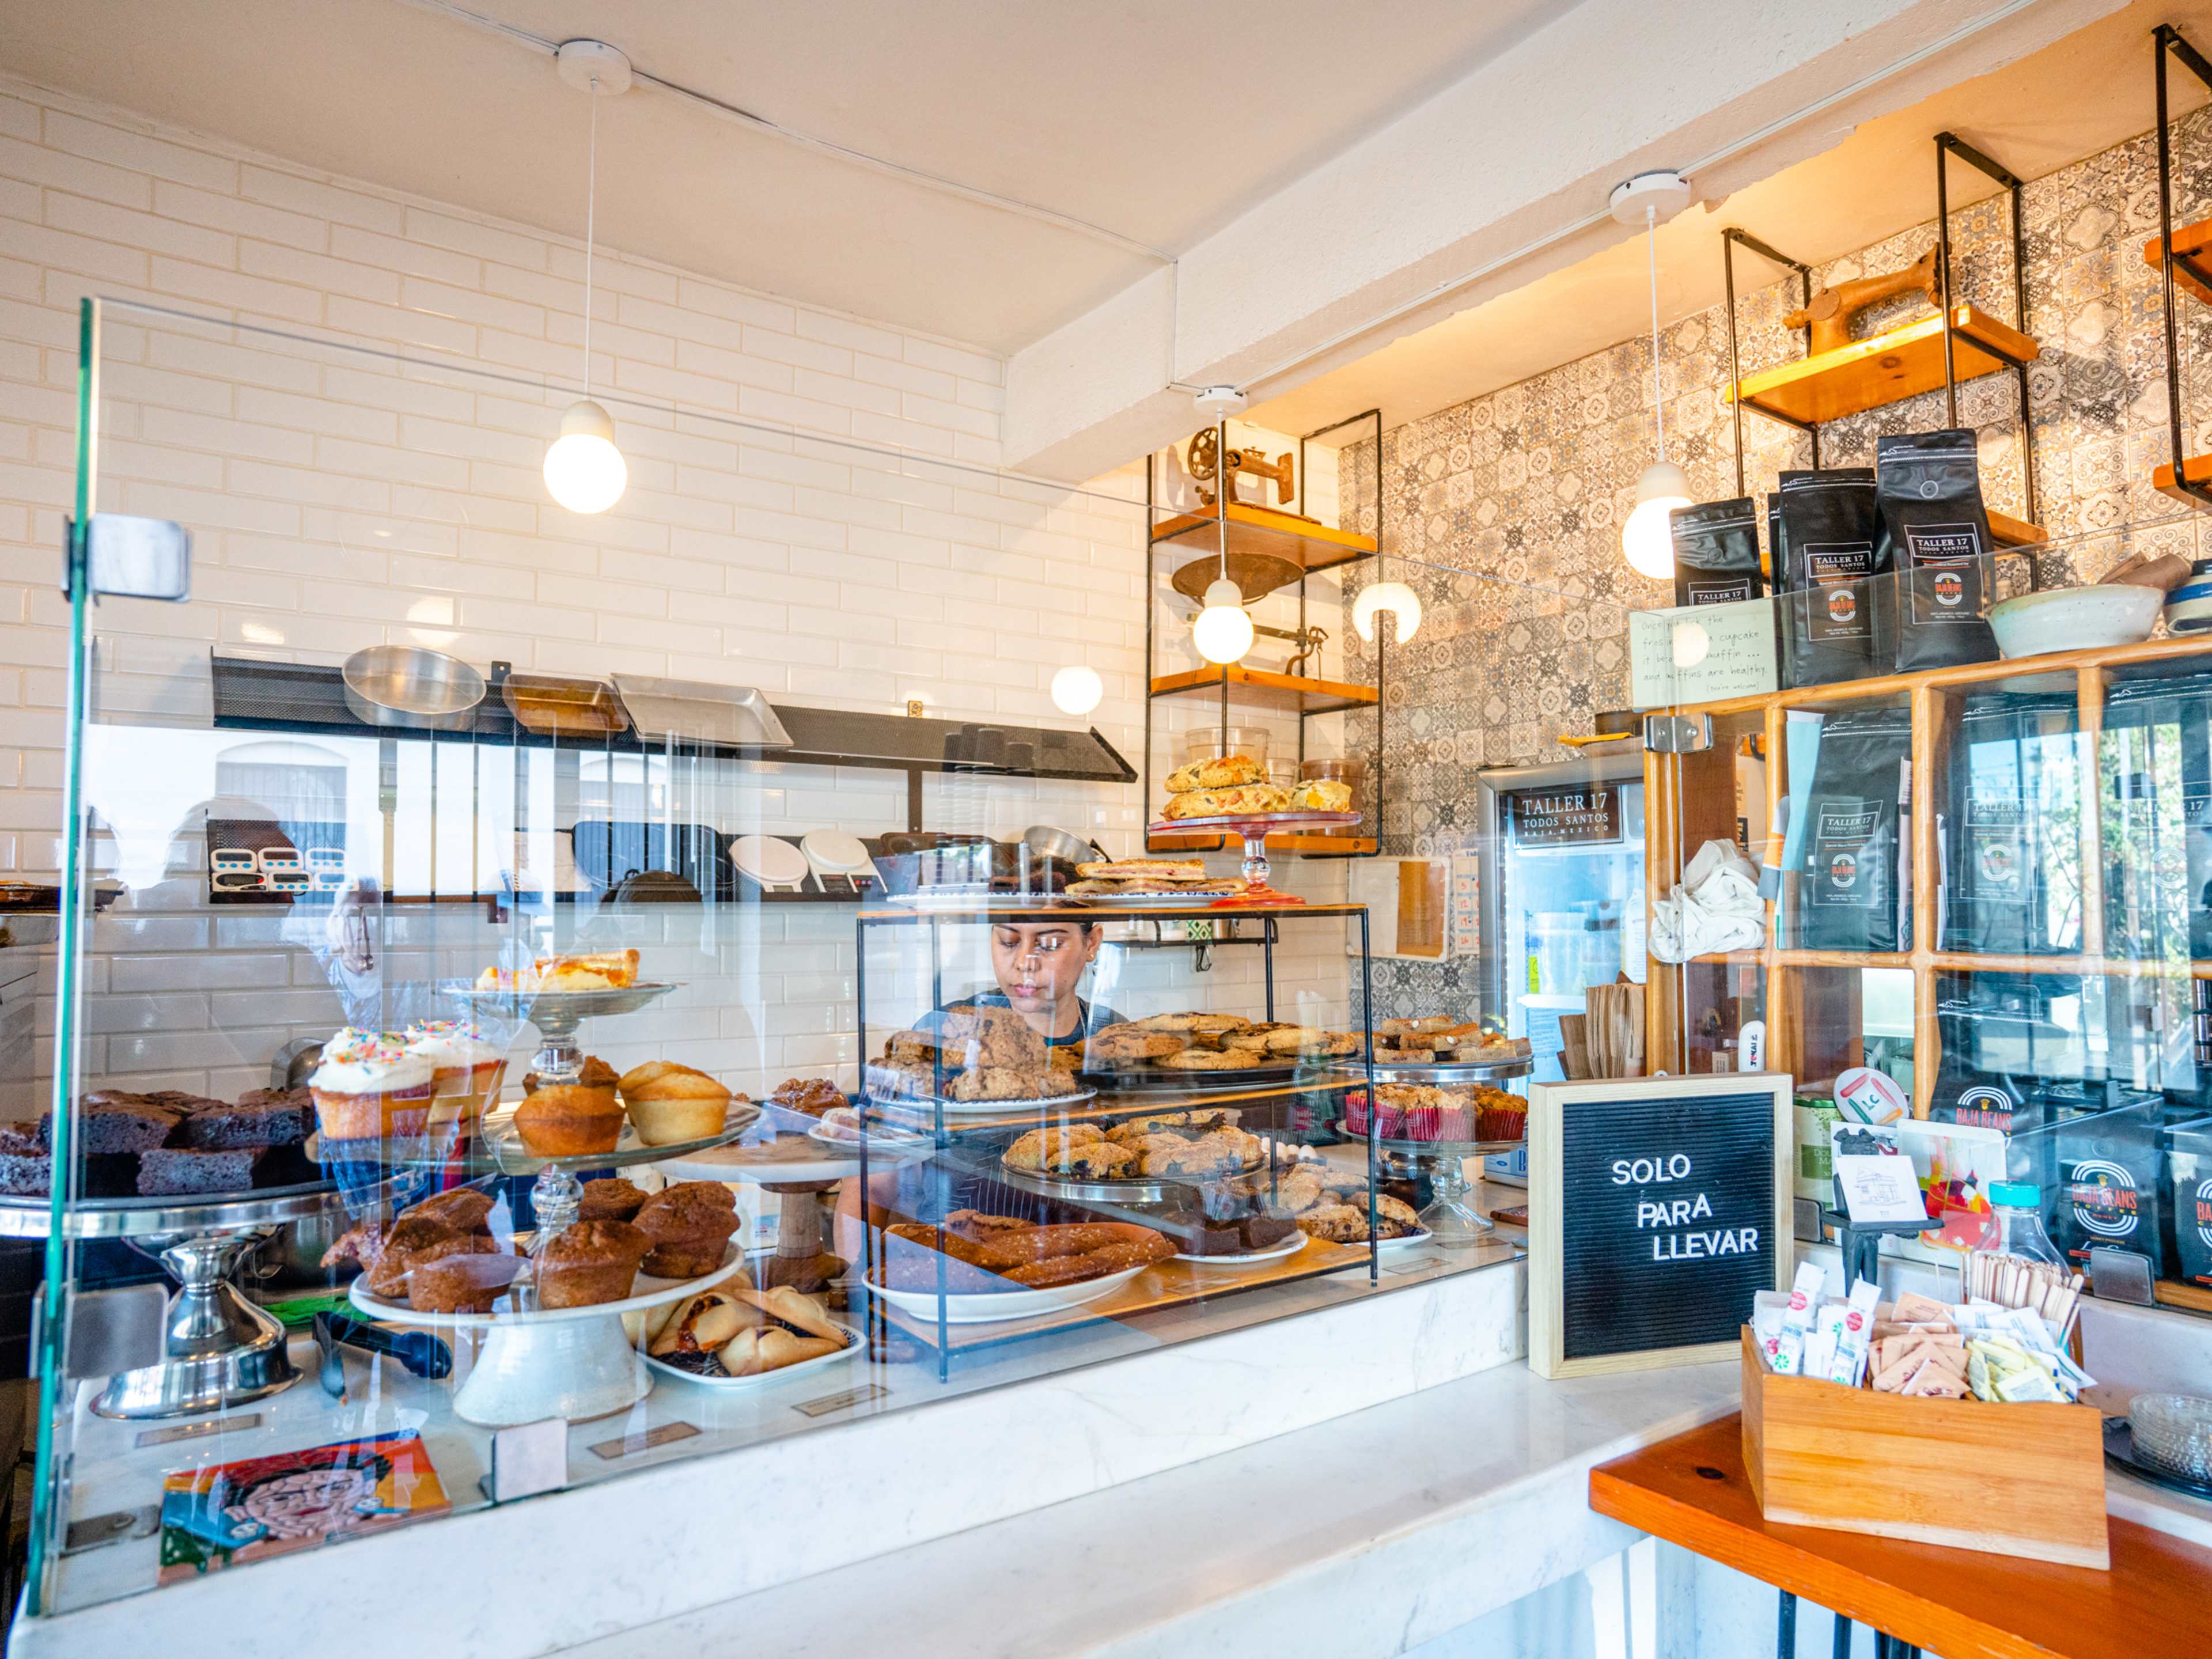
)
(573, 1363)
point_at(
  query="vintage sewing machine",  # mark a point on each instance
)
(1208, 464)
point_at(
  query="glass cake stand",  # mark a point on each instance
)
(217, 1348)
(1456, 1223)
(1256, 828)
(557, 1014)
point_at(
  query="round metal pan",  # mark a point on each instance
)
(1477, 1071)
(405, 685)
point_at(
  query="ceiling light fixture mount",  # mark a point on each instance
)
(584, 469)
(1218, 403)
(1647, 540)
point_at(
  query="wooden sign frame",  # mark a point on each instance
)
(1548, 1105)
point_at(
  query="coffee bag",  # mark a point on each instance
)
(1936, 534)
(1825, 530)
(2107, 1192)
(2013, 842)
(1716, 553)
(1849, 889)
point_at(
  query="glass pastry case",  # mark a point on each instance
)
(460, 1034)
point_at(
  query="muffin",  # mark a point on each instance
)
(669, 1102)
(591, 1262)
(462, 1208)
(465, 1069)
(689, 1226)
(461, 1283)
(593, 1073)
(567, 1119)
(370, 1086)
(610, 1198)
(390, 1254)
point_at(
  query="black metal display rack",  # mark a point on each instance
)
(1316, 548)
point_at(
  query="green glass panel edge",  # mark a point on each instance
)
(48, 1518)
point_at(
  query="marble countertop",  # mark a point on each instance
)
(1363, 1535)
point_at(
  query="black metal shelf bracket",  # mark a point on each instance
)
(2164, 40)
(1732, 238)
(1948, 144)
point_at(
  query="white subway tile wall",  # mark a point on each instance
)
(340, 497)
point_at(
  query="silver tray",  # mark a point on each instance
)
(1426, 1148)
(697, 711)
(1151, 1080)
(1142, 901)
(1140, 1189)
(32, 1217)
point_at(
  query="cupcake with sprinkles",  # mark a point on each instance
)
(371, 1085)
(466, 1067)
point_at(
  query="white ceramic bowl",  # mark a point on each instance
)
(2074, 618)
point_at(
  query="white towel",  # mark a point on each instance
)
(1715, 907)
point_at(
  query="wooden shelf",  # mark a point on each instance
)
(2009, 531)
(1885, 368)
(2175, 1294)
(1261, 686)
(1283, 843)
(2192, 258)
(1310, 546)
(2197, 469)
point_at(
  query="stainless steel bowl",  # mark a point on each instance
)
(1045, 842)
(406, 685)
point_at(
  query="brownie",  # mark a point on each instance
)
(116, 1122)
(262, 1117)
(1260, 1232)
(176, 1171)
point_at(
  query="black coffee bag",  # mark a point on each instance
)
(1848, 891)
(1994, 1100)
(2188, 1159)
(1936, 534)
(2014, 843)
(2155, 765)
(1716, 553)
(2107, 1189)
(1825, 530)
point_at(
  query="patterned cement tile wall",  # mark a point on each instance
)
(1504, 512)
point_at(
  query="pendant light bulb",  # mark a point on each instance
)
(584, 471)
(1399, 601)
(1648, 537)
(1223, 633)
(1076, 690)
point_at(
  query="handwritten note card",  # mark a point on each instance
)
(1699, 654)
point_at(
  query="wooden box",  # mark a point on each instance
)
(2025, 1480)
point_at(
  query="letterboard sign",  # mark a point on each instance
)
(1658, 1206)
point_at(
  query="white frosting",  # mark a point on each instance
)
(370, 1063)
(447, 1043)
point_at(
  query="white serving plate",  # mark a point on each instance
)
(1419, 1235)
(990, 1307)
(1289, 1246)
(854, 1345)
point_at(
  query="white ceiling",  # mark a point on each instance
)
(2090, 91)
(1158, 121)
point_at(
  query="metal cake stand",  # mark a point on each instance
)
(557, 1014)
(217, 1348)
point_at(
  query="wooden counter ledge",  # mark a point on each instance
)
(1693, 1490)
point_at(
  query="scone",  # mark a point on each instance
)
(1322, 795)
(1029, 1150)
(1005, 1082)
(1130, 1045)
(1091, 1160)
(1216, 1059)
(1339, 1223)
(1225, 803)
(1219, 774)
(988, 1036)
